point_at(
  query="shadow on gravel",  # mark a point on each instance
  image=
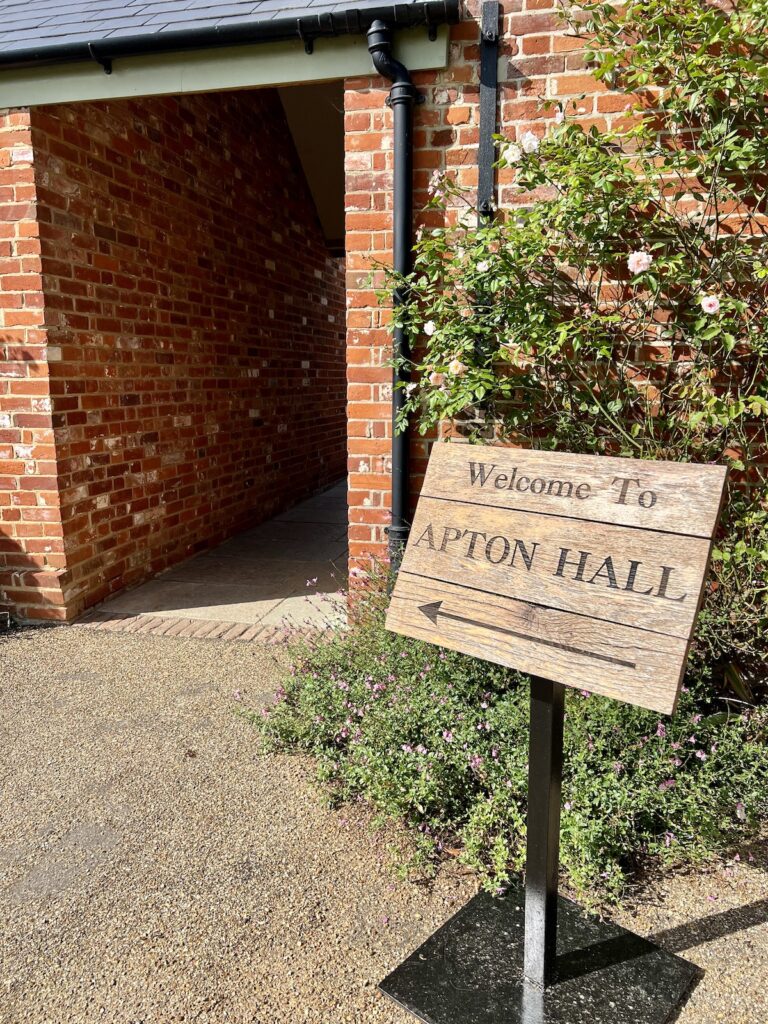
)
(716, 926)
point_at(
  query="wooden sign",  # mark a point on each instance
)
(585, 570)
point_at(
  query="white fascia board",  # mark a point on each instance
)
(241, 67)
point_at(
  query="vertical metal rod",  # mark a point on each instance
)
(545, 770)
(489, 77)
(402, 101)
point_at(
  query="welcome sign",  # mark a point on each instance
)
(586, 570)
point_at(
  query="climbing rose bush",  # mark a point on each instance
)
(618, 306)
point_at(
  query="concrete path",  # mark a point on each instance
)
(284, 574)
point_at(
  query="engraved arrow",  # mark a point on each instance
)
(435, 610)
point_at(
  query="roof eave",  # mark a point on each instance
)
(307, 29)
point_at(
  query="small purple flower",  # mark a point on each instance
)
(447, 735)
(661, 730)
(741, 811)
(585, 693)
(567, 805)
(667, 784)
(475, 762)
(669, 838)
(701, 755)
(407, 748)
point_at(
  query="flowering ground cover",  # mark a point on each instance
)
(439, 741)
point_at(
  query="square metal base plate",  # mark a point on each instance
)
(470, 972)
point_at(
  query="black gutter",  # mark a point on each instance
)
(307, 28)
(402, 97)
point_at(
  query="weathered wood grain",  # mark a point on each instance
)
(627, 664)
(581, 569)
(685, 497)
(543, 539)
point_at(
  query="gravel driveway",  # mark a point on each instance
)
(154, 869)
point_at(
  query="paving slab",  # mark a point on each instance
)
(286, 572)
(286, 542)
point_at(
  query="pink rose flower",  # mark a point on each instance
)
(457, 368)
(639, 262)
(710, 304)
(436, 379)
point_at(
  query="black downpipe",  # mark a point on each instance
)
(402, 97)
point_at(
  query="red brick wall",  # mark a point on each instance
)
(31, 535)
(539, 60)
(195, 328)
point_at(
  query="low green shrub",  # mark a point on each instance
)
(439, 741)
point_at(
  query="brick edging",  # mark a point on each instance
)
(186, 629)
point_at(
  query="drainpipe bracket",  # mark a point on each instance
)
(418, 98)
(403, 92)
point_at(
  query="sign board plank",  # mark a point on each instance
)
(562, 563)
(671, 497)
(591, 574)
(541, 641)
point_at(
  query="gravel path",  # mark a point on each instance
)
(154, 869)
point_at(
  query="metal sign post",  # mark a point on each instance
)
(533, 957)
(545, 771)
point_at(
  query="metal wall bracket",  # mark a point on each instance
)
(489, 75)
